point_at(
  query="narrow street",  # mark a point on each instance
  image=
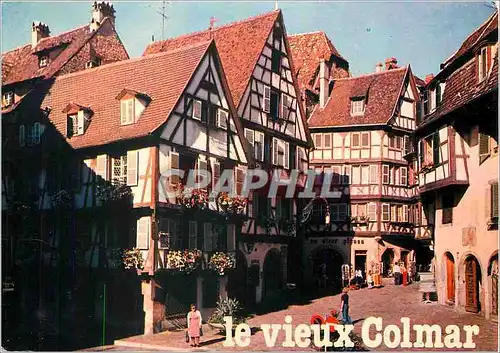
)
(390, 303)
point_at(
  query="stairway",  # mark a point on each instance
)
(427, 285)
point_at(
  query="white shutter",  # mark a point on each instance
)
(287, 155)
(207, 237)
(267, 99)
(102, 166)
(174, 164)
(197, 109)
(275, 150)
(215, 173)
(132, 167)
(385, 174)
(123, 112)
(259, 145)
(222, 118)
(143, 233)
(249, 135)
(193, 234)
(22, 136)
(81, 123)
(405, 213)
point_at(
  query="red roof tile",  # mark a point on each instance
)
(381, 89)
(475, 37)
(307, 49)
(162, 77)
(239, 45)
(22, 63)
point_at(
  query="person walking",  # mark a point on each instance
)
(397, 274)
(344, 306)
(359, 277)
(194, 322)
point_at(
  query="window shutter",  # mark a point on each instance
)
(318, 140)
(347, 174)
(130, 111)
(249, 134)
(267, 99)
(406, 145)
(421, 154)
(239, 180)
(365, 139)
(132, 167)
(207, 237)
(355, 139)
(285, 104)
(197, 109)
(193, 234)
(174, 164)
(80, 123)
(22, 136)
(287, 155)
(200, 165)
(373, 174)
(222, 118)
(494, 200)
(435, 148)
(438, 95)
(405, 213)
(143, 233)
(385, 174)
(484, 147)
(404, 176)
(372, 212)
(215, 173)
(259, 146)
(102, 166)
(275, 151)
(123, 111)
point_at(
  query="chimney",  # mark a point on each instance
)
(379, 68)
(101, 10)
(428, 78)
(391, 63)
(324, 77)
(39, 30)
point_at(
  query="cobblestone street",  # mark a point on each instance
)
(390, 303)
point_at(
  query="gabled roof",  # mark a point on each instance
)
(239, 45)
(22, 63)
(474, 38)
(307, 49)
(163, 77)
(381, 91)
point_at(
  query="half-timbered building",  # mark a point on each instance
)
(361, 132)
(458, 172)
(102, 188)
(256, 57)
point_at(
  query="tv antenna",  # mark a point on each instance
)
(163, 13)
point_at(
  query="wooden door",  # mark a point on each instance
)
(450, 279)
(471, 286)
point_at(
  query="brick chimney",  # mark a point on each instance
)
(101, 10)
(391, 63)
(324, 76)
(379, 68)
(428, 78)
(39, 30)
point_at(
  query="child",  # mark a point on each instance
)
(344, 306)
(369, 279)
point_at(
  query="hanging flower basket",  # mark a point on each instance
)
(132, 259)
(183, 260)
(109, 193)
(221, 262)
(232, 204)
(192, 198)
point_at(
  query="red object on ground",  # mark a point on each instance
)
(405, 278)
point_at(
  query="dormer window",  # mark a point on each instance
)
(43, 61)
(127, 111)
(483, 63)
(357, 106)
(94, 62)
(8, 98)
(197, 109)
(78, 119)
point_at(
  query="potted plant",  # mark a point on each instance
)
(232, 204)
(132, 259)
(226, 307)
(220, 262)
(192, 198)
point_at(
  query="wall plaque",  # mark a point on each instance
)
(469, 236)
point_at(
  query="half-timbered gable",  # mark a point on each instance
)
(457, 171)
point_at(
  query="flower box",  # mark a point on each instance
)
(110, 194)
(232, 204)
(220, 262)
(183, 260)
(192, 198)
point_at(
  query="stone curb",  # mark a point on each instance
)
(160, 347)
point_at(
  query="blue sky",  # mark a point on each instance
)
(365, 32)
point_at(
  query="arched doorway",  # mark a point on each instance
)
(327, 268)
(237, 281)
(493, 273)
(273, 273)
(387, 260)
(450, 277)
(472, 283)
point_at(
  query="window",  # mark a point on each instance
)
(171, 227)
(365, 174)
(392, 141)
(385, 174)
(365, 139)
(447, 206)
(280, 153)
(201, 168)
(334, 212)
(358, 210)
(394, 214)
(275, 105)
(356, 174)
(372, 212)
(240, 178)
(483, 63)
(337, 170)
(405, 213)
(215, 173)
(301, 159)
(357, 106)
(343, 212)
(22, 136)
(425, 100)
(404, 176)
(193, 234)
(318, 140)
(286, 102)
(494, 202)
(197, 109)
(102, 167)
(435, 148)
(406, 145)
(386, 214)
(132, 164)
(119, 170)
(35, 132)
(399, 141)
(327, 140)
(127, 111)
(346, 178)
(174, 164)
(8, 98)
(222, 118)
(439, 94)
(355, 139)
(43, 61)
(373, 174)
(256, 141)
(267, 99)
(276, 61)
(143, 233)
(210, 238)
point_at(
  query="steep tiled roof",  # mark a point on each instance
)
(22, 63)
(162, 77)
(477, 36)
(382, 91)
(307, 49)
(239, 45)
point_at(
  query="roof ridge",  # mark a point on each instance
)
(372, 74)
(17, 48)
(230, 24)
(305, 33)
(62, 33)
(132, 60)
